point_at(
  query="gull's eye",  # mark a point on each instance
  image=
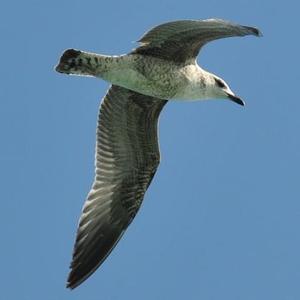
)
(219, 83)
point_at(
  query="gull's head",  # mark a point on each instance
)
(220, 89)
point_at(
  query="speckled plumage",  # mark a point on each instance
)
(162, 68)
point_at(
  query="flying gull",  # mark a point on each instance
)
(162, 68)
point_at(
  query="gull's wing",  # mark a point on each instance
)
(181, 41)
(127, 156)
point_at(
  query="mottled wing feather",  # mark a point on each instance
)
(181, 41)
(127, 156)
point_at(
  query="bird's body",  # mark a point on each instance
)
(147, 75)
(163, 68)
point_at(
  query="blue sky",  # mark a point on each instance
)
(221, 218)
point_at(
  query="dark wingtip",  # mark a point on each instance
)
(68, 286)
(73, 280)
(255, 31)
(72, 284)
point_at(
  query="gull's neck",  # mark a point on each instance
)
(200, 83)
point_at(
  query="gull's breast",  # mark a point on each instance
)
(149, 76)
(195, 87)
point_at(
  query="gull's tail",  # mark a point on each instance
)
(82, 63)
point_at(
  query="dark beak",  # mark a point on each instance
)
(236, 99)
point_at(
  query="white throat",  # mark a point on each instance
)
(200, 84)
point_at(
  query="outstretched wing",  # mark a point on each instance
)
(181, 41)
(127, 156)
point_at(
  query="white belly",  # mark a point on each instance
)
(155, 77)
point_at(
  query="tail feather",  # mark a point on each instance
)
(78, 63)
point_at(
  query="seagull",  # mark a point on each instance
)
(162, 68)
